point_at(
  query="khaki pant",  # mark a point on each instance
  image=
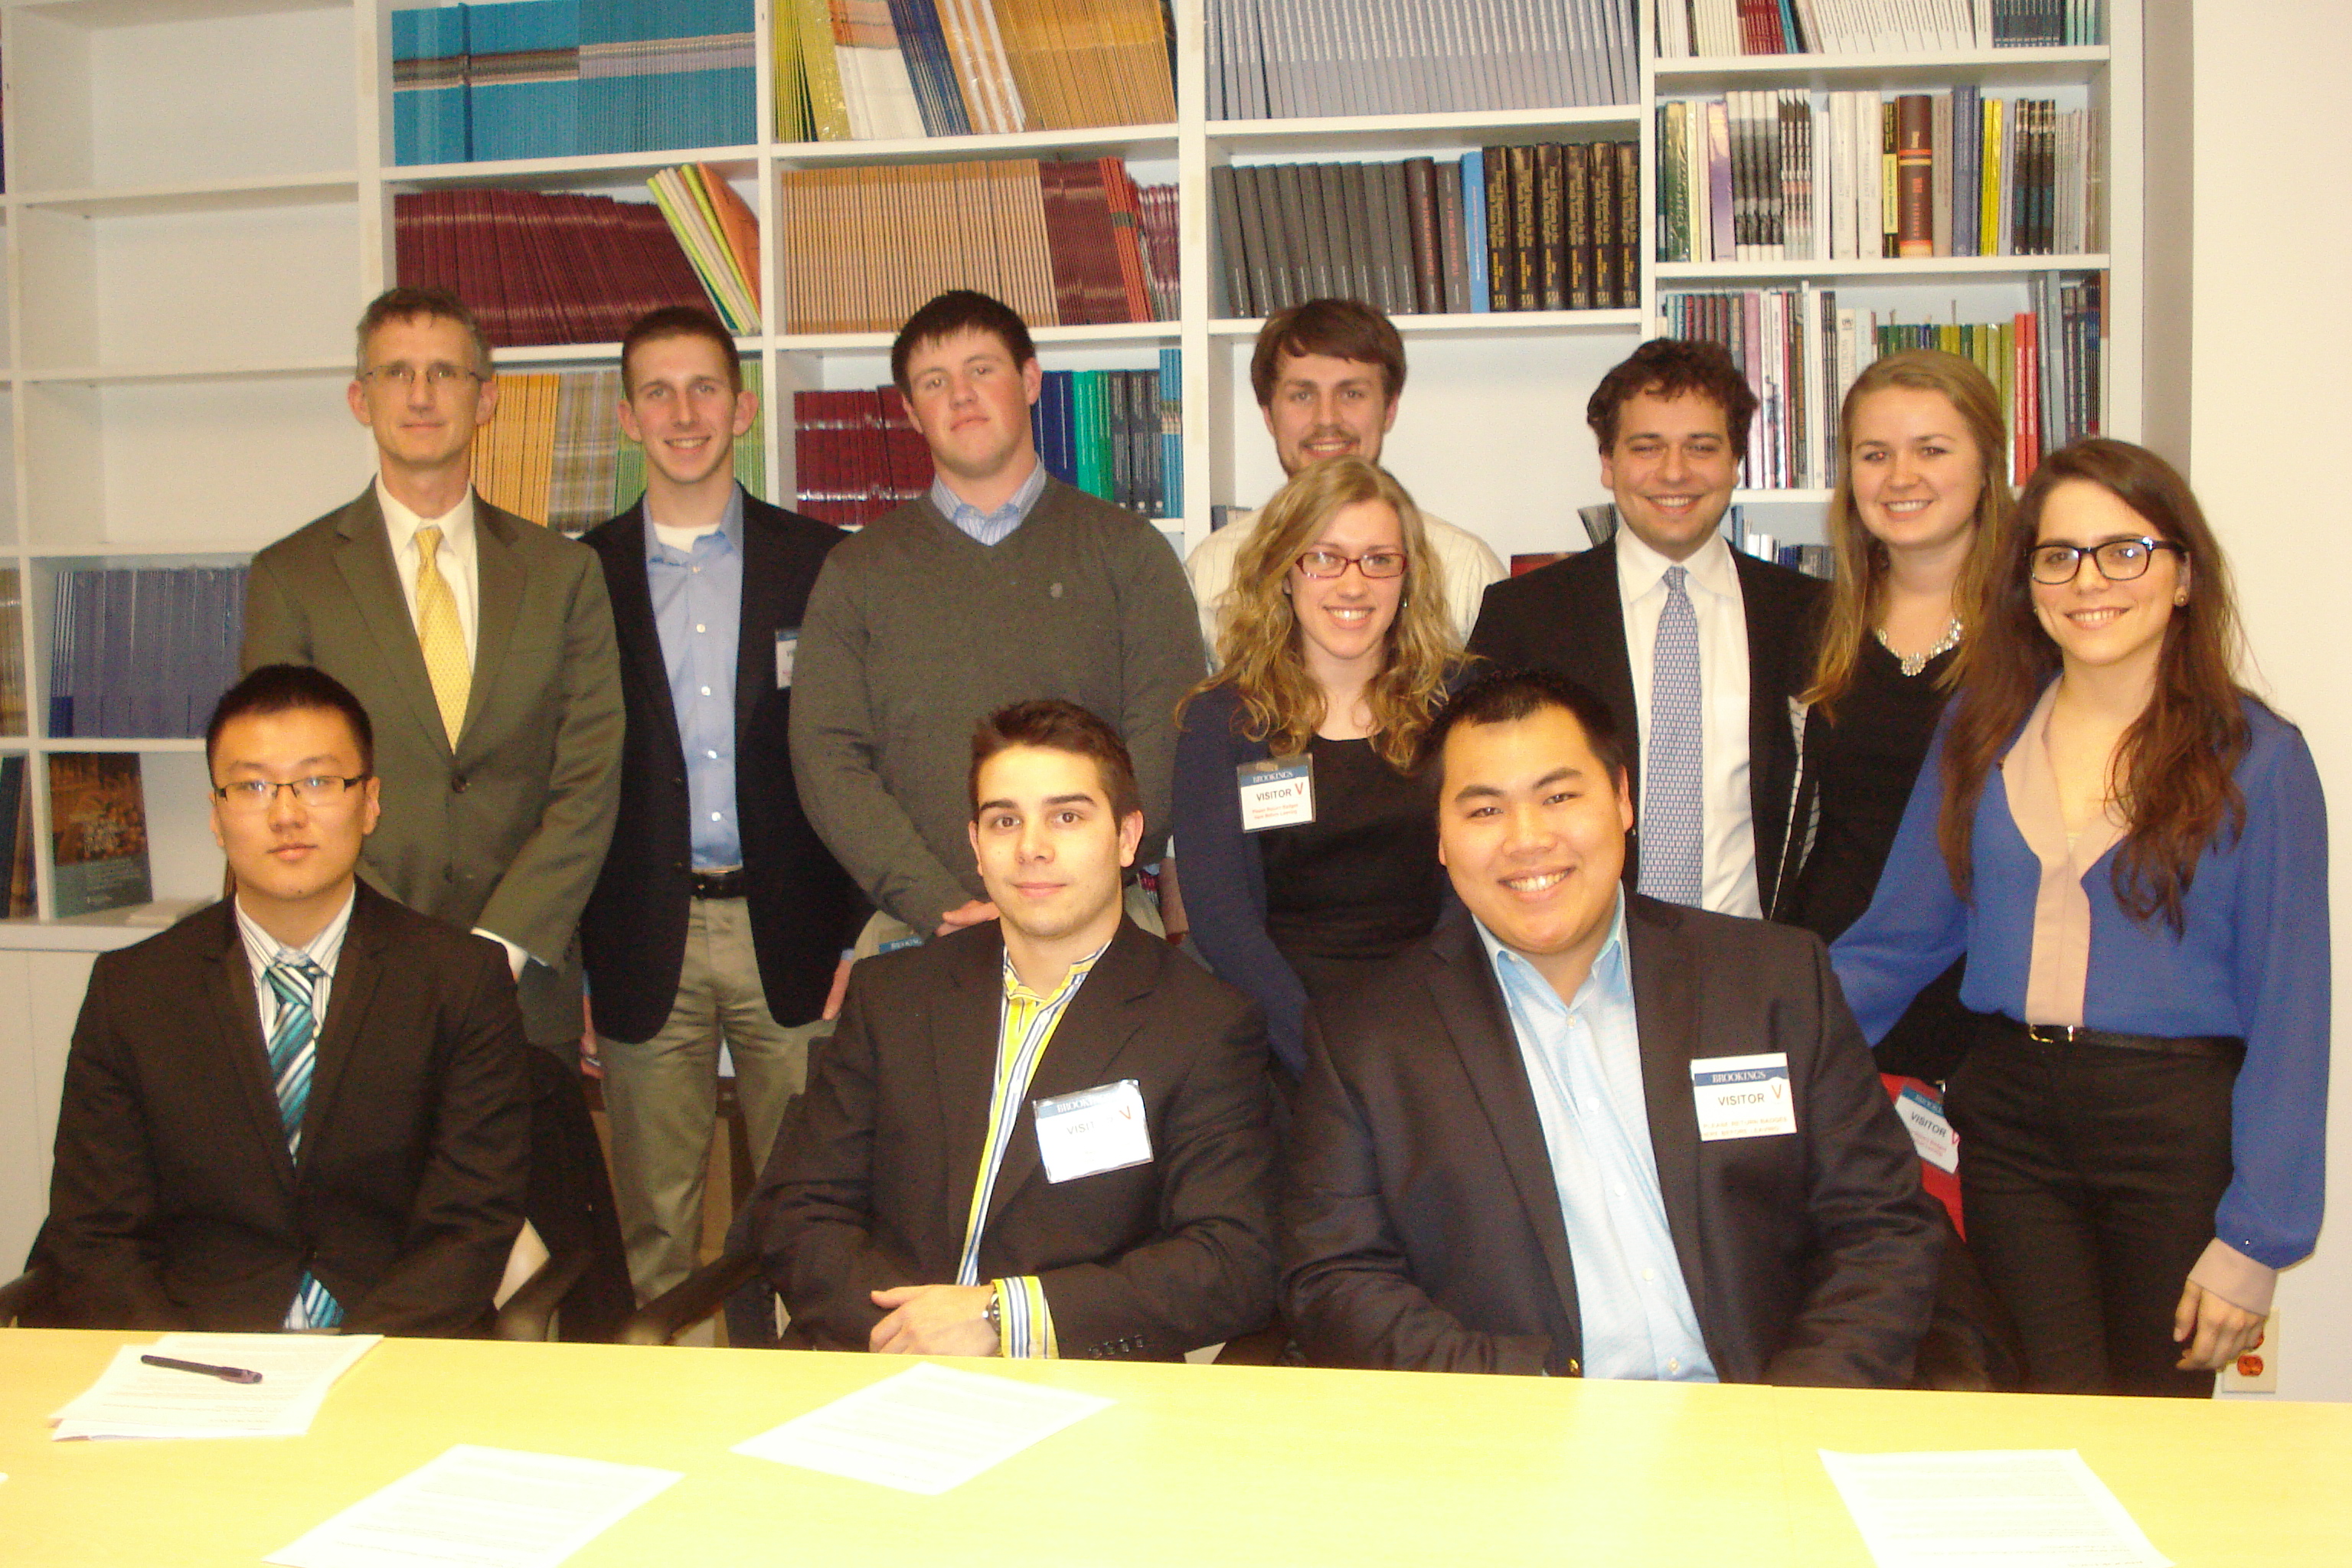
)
(662, 1095)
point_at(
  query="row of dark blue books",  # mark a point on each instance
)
(559, 78)
(142, 651)
(1117, 434)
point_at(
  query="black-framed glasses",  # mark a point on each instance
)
(257, 795)
(1322, 563)
(2119, 560)
(439, 375)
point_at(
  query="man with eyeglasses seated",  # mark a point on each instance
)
(305, 1106)
(483, 646)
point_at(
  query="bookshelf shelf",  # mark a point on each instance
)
(1314, 137)
(1134, 142)
(1780, 498)
(234, 195)
(1112, 334)
(592, 170)
(133, 375)
(2007, 68)
(1876, 270)
(1475, 324)
(152, 744)
(103, 15)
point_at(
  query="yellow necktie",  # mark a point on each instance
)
(444, 640)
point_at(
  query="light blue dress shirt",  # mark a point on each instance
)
(990, 526)
(1584, 1066)
(698, 610)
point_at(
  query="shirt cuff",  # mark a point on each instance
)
(2226, 1272)
(1024, 1324)
(516, 956)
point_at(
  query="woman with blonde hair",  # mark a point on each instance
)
(1915, 521)
(1308, 845)
(2131, 852)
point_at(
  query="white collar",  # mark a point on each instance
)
(456, 524)
(1641, 568)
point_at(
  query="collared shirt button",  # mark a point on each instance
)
(706, 691)
(1673, 1365)
(700, 627)
(1649, 1274)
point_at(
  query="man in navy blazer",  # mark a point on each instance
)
(1581, 1131)
(719, 914)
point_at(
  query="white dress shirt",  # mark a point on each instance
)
(456, 559)
(1727, 882)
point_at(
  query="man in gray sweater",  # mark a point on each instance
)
(1000, 584)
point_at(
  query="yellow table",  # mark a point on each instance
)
(1200, 1467)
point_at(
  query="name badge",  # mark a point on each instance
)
(1276, 792)
(1093, 1130)
(1931, 1129)
(1743, 1097)
(788, 645)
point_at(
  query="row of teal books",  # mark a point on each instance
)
(558, 78)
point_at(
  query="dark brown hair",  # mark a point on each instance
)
(1051, 724)
(434, 304)
(959, 310)
(1858, 592)
(289, 689)
(1669, 368)
(1342, 329)
(2172, 772)
(679, 322)
(1507, 696)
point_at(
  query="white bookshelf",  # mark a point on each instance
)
(199, 201)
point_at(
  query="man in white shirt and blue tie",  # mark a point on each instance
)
(1698, 650)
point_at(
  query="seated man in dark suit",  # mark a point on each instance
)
(303, 1107)
(1581, 1132)
(1044, 1134)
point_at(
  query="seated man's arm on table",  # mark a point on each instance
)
(1876, 1248)
(1208, 1276)
(833, 745)
(814, 1206)
(104, 1185)
(1347, 1290)
(470, 1198)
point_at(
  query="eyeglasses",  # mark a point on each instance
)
(437, 375)
(250, 798)
(1321, 562)
(2119, 560)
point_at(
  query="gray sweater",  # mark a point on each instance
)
(915, 633)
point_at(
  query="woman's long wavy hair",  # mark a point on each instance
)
(1858, 594)
(2172, 772)
(1258, 652)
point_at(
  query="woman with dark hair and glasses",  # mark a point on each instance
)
(2131, 850)
(1308, 845)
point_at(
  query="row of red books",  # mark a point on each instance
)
(544, 267)
(856, 456)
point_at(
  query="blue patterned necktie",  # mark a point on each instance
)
(1671, 854)
(292, 1053)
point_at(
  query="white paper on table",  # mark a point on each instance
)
(1997, 1508)
(924, 1430)
(481, 1508)
(133, 1400)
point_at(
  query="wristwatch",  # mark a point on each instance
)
(993, 1313)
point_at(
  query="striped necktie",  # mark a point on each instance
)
(292, 1053)
(1672, 824)
(442, 639)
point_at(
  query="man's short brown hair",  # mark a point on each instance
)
(1342, 329)
(959, 310)
(434, 304)
(680, 322)
(1052, 725)
(1669, 368)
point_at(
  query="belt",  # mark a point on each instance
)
(2227, 1047)
(719, 884)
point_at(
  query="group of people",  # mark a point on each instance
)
(1513, 1043)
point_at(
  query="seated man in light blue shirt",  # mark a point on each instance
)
(1581, 1132)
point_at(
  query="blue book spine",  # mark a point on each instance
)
(1474, 228)
(1172, 433)
(526, 79)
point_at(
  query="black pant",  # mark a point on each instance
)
(571, 1199)
(2089, 1175)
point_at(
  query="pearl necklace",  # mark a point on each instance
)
(1912, 663)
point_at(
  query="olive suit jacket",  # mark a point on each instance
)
(504, 831)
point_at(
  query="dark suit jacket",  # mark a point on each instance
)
(804, 910)
(1567, 617)
(505, 831)
(1421, 1223)
(870, 1186)
(174, 1202)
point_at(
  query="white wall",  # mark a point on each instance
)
(2270, 441)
